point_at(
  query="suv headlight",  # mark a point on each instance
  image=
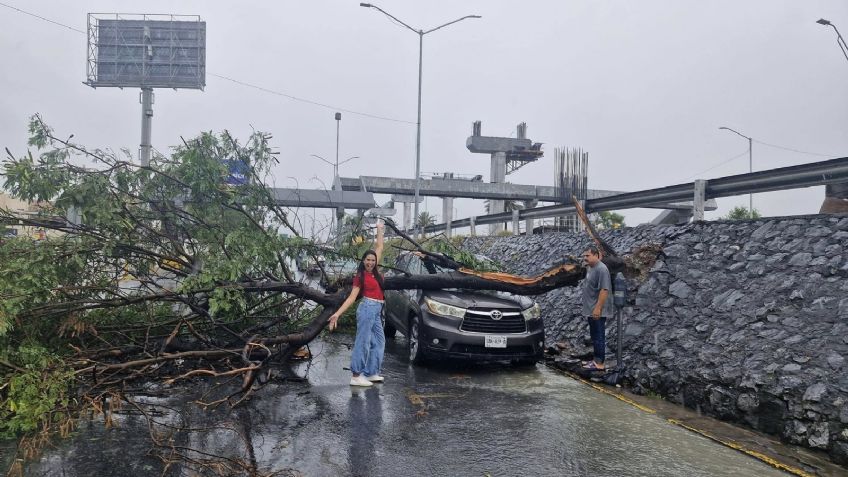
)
(444, 309)
(532, 313)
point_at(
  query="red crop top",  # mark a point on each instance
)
(372, 288)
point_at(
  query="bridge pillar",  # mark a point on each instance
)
(471, 221)
(699, 200)
(498, 176)
(447, 214)
(407, 216)
(516, 223)
(529, 223)
(447, 209)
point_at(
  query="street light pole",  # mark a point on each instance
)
(336, 169)
(839, 40)
(418, 132)
(750, 166)
(420, 34)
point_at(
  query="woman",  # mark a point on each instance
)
(367, 357)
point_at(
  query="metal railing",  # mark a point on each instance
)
(793, 177)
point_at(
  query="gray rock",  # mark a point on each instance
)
(727, 299)
(776, 258)
(801, 259)
(792, 368)
(747, 402)
(633, 329)
(761, 232)
(792, 231)
(798, 428)
(736, 267)
(819, 437)
(675, 251)
(818, 231)
(842, 309)
(818, 261)
(815, 392)
(835, 361)
(791, 322)
(680, 289)
(794, 339)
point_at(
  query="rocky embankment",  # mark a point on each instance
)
(746, 321)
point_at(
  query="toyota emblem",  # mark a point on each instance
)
(496, 315)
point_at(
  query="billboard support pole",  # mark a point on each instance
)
(146, 125)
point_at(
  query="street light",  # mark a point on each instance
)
(839, 40)
(335, 164)
(750, 167)
(420, 34)
(336, 180)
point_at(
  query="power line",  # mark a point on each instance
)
(744, 153)
(42, 18)
(242, 83)
(309, 101)
(793, 150)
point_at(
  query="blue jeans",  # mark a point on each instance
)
(367, 357)
(597, 331)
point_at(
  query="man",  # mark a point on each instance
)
(596, 305)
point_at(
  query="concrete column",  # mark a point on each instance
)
(407, 216)
(498, 176)
(447, 209)
(700, 198)
(447, 214)
(529, 223)
(516, 223)
(471, 226)
(340, 214)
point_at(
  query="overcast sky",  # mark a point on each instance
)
(642, 86)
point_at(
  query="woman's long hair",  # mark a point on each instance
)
(360, 271)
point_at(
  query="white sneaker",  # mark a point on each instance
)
(360, 381)
(376, 378)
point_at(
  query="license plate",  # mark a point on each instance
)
(493, 341)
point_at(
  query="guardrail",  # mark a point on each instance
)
(793, 177)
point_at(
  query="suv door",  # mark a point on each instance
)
(409, 298)
(394, 303)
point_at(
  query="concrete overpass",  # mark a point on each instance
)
(438, 187)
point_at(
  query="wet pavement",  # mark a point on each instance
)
(493, 420)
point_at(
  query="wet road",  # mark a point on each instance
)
(474, 421)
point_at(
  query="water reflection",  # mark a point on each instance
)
(365, 420)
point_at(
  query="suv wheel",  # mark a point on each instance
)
(416, 354)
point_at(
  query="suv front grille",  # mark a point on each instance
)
(479, 320)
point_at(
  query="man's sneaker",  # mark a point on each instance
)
(376, 378)
(360, 381)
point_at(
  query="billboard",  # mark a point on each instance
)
(146, 51)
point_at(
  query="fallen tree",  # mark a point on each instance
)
(148, 266)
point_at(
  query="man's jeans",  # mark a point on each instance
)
(370, 341)
(597, 330)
